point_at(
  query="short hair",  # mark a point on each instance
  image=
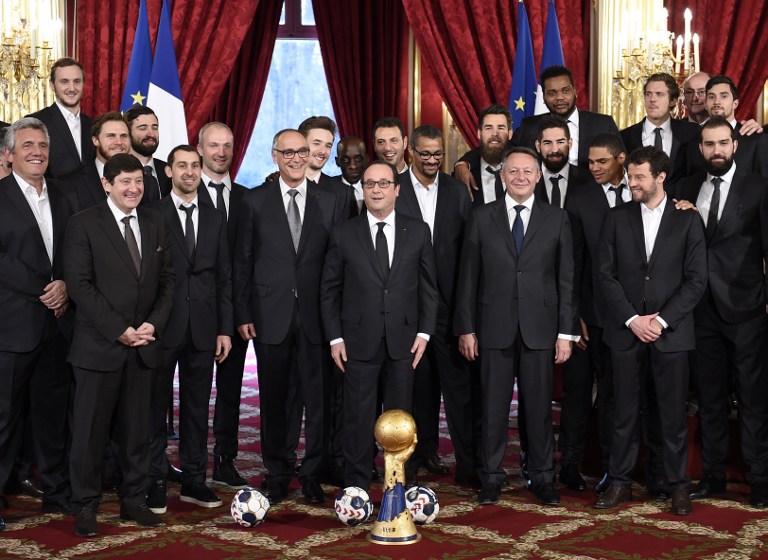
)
(208, 125)
(389, 122)
(553, 121)
(391, 167)
(610, 142)
(135, 112)
(715, 80)
(9, 134)
(519, 150)
(425, 131)
(494, 109)
(656, 158)
(280, 133)
(65, 62)
(105, 118)
(321, 122)
(672, 86)
(121, 163)
(181, 148)
(555, 71)
(716, 122)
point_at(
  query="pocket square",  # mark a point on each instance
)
(159, 248)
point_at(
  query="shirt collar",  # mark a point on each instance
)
(417, 183)
(373, 220)
(484, 164)
(177, 201)
(100, 168)
(66, 113)
(226, 180)
(562, 173)
(624, 181)
(357, 185)
(726, 177)
(24, 186)
(574, 118)
(734, 123)
(119, 214)
(511, 203)
(302, 188)
(658, 210)
(649, 128)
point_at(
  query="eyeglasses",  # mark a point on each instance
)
(290, 153)
(699, 92)
(426, 155)
(383, 184)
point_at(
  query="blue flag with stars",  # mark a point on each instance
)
(140, 66)
(522, 95)
(552, 55)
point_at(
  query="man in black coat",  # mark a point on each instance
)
(144, 130)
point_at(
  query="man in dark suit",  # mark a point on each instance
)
(352, 157)
(390, 141)
(379, 305)
(443, 203)
(281, 241)
(198, 333)
(218, 190)
(119, 272)
(651, 279)
(145, 137)
(33, 215)
(730, 321)
(515, 310)
(558, 177)
(68, 127)
(659, 129)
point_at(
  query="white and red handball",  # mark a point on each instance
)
(422, 503)
(353, 506)
(249, 507)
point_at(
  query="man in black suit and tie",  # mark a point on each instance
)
(68, 127)
(281, 242)
(379, 304)
(651, 278)
(558, 177)
(119, 272)
(218, 190)
(390, 141)
(145, 137)
(659, 129)
(33, 215)
(352, 157)
(515, 310)
(442, 202)
(198, 333)
(731, 323)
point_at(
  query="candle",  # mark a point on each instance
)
(679, 53)
(665, 18)
(696, 52)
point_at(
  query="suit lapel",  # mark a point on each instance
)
(675, 141)
(56, 200)
(664, 227)
(206, 236)
(64, 132)
(732, 203)
(175, 225)
(277, 209)
(541, 191)
(22, 206)
(401, 238)
(534, 223)
(364, 235)
(407, 203)
(442, 207)
(636, 227)
(502, 222)
(311, 209)
(149, 243)
(115, 235)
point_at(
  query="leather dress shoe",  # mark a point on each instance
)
(174, 473)
(276, 491)
(524, 465)
(571, 477)
(613, 497)
(603, 484)
(681, 502)
(706, 487)
(27, 487)
(545, 492)
(658, 488)
(225, 472)
(58, 506)
(759, 496)
(434, 464)
(489, 494)
(312, 492)
(141, 514)
(85, 522)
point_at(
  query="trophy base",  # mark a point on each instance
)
(393, 541)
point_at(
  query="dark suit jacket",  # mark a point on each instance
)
(737, 250)
(202, 299)
(684, 135)
(500, 291)
(236, 196)
(269, 276)
(361, 306)
(26, 268)
(473, 157)
(63, 158)
(345, 195)
(163, 181)
(671, 282)
(752, 154)
(85, 186)
(353, 211)
(109, 295)
(590, 125)
(576, 177)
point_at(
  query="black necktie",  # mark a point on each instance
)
(294, 218)
(382, 249)
(714, 207)
(220, 205)
(189, 228)
(518, 230)
(617, 194)
(151, 186)
(657, 143)
(554, 200)
(497, 185)
(133, 247)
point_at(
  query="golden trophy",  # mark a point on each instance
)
(395, 431)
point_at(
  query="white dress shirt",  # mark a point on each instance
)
(119, 215)
(100, 168)
(41, 207)
(183, 215)
(427, 198)
(73, 122)
(547, 175)
(301, 198)
(704, 200)
(573, 128)
(610, 196)
(226, 181)
(649, 134)
(488, 180)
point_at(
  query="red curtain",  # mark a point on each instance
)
(734, 42)
(239, 103)
(207, 37)
(470, 48)
(364, 46)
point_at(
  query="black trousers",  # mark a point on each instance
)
(229, 385)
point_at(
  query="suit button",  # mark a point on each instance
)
(386, 291)
(519, 272)
(647, 277)
(187, 299)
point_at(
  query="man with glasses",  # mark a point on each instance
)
(282, 238)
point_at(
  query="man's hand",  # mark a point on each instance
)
(131, 337)
(563, 350)
(272, 177)
(55, 294)
(646, 328)
(684, 205)
(750, 127)
(146, 332)
(223, 346)
(468, 347)
(463, 174)
(582, 343)
(60, 311)
(247, 331)
(418, 349)
(339, 355)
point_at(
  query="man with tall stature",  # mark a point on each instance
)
(515, 311)
(119, 272)
(651, 278)
(379, 305)
(144, 129)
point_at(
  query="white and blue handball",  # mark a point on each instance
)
(249, 507)
(353, 506)
(422, 503)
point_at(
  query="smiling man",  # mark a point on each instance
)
(144, 130)
(390, 141)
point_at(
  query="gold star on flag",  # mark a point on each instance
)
(520, 104)
(138, 99)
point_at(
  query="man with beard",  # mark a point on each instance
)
(651, 279)
(558, 176)
(145, 136)
(442, 202)
(389, 142)
(69, 128)
(731, 322)
(352, 157)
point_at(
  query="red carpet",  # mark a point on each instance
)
(516, 528)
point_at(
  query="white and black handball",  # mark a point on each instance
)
(249, 507)
(353, 506)
(422, 503)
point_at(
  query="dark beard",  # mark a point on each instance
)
(556, 167)
(492, 156)
(143, 150)
(718, 169)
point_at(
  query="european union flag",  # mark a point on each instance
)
(522, 95)
(140, 66)
(552, 54)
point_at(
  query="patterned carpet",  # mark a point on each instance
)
(516, 528)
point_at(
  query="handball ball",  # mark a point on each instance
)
(353, 506)
(249, 507)
(422, 503)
